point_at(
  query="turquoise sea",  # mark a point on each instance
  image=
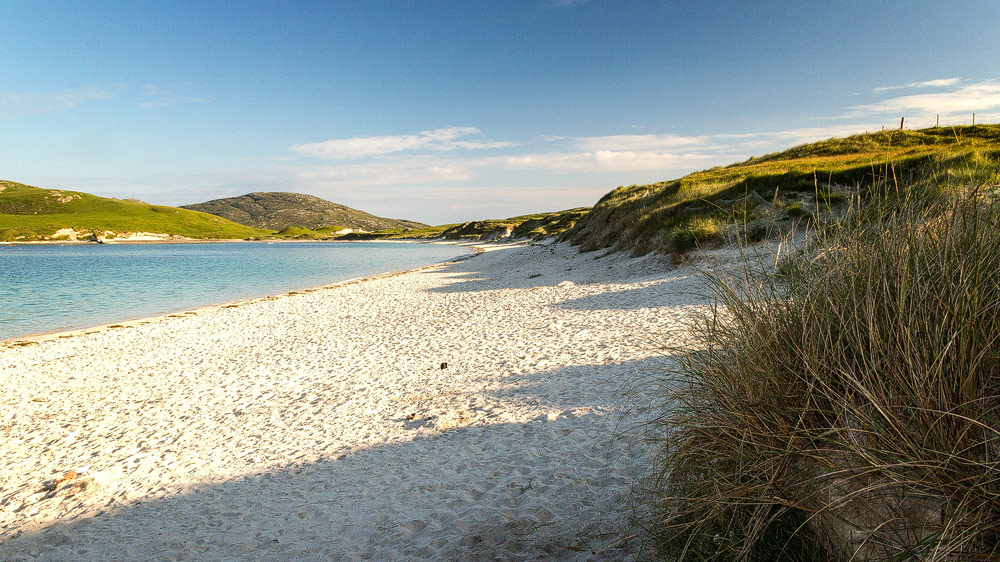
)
(46, 288)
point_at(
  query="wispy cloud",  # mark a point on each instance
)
(23, 104)
(938, 83)
(395, 171)
(388, 160)
(788, 137)
(636, 142)
(166, 96)
(565, 3)
(981, 96)
(359, 147)
(411, 167)
(598, 161)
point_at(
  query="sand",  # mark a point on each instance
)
(469, 410)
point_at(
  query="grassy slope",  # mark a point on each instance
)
(847, 401)
(280, 210)
(32, 213)
(539, 225)
(661, 216)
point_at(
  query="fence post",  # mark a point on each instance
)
(901, 122)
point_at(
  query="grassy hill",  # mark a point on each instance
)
(539, 225)
(674, 215)
(31, 213)
(841, 400)
(280, 210)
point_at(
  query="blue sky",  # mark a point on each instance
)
(452, 111)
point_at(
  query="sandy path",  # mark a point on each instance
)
(321, 425)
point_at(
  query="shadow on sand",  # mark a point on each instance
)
(507, 491)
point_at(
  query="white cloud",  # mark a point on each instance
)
(157, 96)
(566, 3)
(32, 103)
(412, 170)
(391, 171)
(636, 142)
(789, 137)
(598, 161)
(583, 168)
(938, 83)
(969, 98)
(169, 101)
(377, 161)
(360, 147)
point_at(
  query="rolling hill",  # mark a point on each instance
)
(280, 210)
(536, 226)
(29, 213)
(675, 215)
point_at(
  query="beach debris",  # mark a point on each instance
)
(70, 483)
(444, 366)
(416, 421)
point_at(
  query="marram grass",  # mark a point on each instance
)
(644, 218)
(844, 403)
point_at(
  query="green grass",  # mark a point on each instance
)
(642, 218)
(845, 405)
(329, 230)
(31, 213)
(535, 226)
(301, 233)
(694, 232)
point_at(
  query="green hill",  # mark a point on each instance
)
(540, 225)
(280, 210)
(30, 213)
(673, 216)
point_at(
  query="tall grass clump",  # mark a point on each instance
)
(844, 403)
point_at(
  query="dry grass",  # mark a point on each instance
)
(642, 218)
(845, 405)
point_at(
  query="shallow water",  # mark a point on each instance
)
(47, 288)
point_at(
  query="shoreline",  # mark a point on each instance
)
(123, 241)
(466, 410)
(61, 333)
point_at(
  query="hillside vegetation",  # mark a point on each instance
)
(673, 216)
(30, 213)
(840, 401)
(536, 226)
(280, 210)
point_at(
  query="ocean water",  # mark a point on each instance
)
(46, 288)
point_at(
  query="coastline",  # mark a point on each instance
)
(470, 409)
(116, 241)
(28, 339)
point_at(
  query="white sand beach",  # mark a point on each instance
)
(466, 411)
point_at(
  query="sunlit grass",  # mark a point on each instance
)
(844, 403)
(31, 213)
(641, 218)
